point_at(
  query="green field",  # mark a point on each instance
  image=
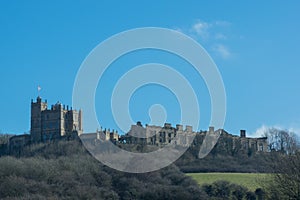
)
(250, 180)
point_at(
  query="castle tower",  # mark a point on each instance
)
(50, 124)
(36, 119)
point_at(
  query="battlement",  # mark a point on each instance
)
(48, 124)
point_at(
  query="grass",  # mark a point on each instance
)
(250, 180)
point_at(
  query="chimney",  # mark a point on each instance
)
(211, 129)
(243, 133)
(179, 127)
(139, 123)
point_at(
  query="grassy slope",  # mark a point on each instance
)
(249, 180)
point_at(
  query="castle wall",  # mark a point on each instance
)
(51, 124)
(160, 136)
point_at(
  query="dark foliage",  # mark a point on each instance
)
(284, 182)
(224, 159)
(64, 170)
(226, 190)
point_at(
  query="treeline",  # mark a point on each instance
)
(65, 170)
(224, 158)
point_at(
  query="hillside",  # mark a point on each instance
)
(65, 170)
(223, 159)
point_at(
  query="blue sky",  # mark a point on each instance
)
(255, 46)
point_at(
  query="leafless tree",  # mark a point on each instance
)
(284, 183)
(281, 140)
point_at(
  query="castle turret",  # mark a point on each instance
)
(211, 130)
(188, 128)
(36, 120)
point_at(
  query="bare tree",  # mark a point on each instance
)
(281, 140)
(285, 181)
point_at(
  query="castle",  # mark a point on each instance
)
(49, 124)
(161, 136)
(60, 122)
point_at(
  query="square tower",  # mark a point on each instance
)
(55, 123)
(36, 119)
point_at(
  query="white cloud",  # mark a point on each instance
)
(222, 50)
(294, 130)
(210, 30)
(260, 132)
(264, 128)
(202, 29)
(211, 34)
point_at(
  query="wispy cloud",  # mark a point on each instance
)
(260, 131)
(202, 29)
(264, 128)
(210, 30)
(213, 35)
(222, 50)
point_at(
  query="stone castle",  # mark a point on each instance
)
(60, 122)
(49, 124)
(160, 136)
